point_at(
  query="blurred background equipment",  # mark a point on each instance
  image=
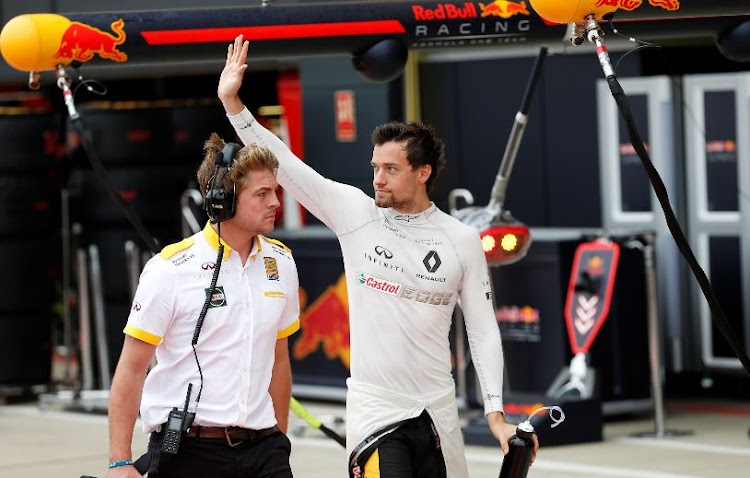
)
(30, 311)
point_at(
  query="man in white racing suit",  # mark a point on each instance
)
(407, 264)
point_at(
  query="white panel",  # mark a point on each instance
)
(704, 223)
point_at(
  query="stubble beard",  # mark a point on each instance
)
(391, 202)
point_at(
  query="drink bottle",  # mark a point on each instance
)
(521, 447)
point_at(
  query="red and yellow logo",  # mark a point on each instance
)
(80, 42)
(325, 324)
(558, 11)
(670, 5)
(631, 5)
(503, 9)
(595, 266)
(42, 41)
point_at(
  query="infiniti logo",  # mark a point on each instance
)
(208, 265)
(432, 261)
(382, 251)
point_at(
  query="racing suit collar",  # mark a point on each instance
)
(410, 219)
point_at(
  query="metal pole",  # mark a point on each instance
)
(189, 223)
(66, 271)
(97, 293)
(84, 321)
(654, 340)
(654, 351)
(133, 260)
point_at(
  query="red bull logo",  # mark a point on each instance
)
(512, 314)
(595, 266)
(444, 11)
(628, 5)
(80, 42)
(503, 9)
(325, 324)
(670, 5)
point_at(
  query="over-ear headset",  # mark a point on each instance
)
(220, 203)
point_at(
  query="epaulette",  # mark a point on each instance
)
(173, 249)
(278, 243)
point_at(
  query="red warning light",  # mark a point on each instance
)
(505, 244)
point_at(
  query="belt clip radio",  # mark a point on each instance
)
(178, 423)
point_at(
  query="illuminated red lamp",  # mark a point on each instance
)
(505, 244)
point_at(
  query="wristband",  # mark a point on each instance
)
(115, 464)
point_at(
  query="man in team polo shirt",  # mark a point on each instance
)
(236, 362)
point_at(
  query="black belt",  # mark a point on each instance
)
(233, 435)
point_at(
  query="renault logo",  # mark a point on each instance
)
(432, 261)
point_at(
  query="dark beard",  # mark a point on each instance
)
(393, 203)
(384, 202)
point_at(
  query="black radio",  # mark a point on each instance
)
(178, 422)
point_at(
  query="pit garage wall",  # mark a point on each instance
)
(558, 180)
(555, 189)
(555, 179)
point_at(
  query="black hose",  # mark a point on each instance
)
(717, 314)
(101, 174)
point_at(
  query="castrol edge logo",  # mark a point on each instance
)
(380, 285)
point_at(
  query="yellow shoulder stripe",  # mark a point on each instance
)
(173, 249)
(278, 243)
(288, 330)
(139, 334)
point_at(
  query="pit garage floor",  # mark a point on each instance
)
(40, 442)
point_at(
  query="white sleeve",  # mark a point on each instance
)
(330, 201)
(481, 326)
(152, 310)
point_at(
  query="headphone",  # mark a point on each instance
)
(220, 204)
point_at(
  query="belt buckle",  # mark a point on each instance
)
(229, 439)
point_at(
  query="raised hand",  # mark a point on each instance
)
(230, 80)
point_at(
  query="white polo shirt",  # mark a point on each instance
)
(253, 306)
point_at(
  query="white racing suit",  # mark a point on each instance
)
(404, 275)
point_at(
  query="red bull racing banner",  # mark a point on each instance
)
(39, 42)
(589, 296)
(324, 326)
(319, 351)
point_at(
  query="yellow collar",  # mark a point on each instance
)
(213, 239)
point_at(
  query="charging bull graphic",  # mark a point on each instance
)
(633, 4)
(80, 42)
(503, 9)
(44, 41)
(325, 324)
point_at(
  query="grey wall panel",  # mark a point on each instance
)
(555, 179)
(347, 162)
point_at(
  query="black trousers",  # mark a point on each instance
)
(266, 457)
(411, 451)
